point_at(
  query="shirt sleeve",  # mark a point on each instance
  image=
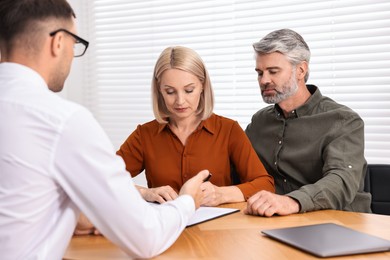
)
(132, 152)
(248, 166)
(343, 170)
(95, 179)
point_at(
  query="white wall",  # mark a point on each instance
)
(73, 89)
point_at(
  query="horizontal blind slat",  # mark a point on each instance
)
(349, 41)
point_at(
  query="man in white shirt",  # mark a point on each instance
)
(55, 160)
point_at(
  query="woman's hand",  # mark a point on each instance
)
(85, 227)
(214, 195)
(160, 194)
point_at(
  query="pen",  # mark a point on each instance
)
(207, 178)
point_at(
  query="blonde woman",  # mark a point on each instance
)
(186, 137)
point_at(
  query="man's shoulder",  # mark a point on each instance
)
(62, 109)
(329, 105)
(262, 117)
(319, 104)
(268, 110)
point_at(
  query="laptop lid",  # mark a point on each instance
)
(329, 239)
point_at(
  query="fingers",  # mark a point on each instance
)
(158, 199)
(193, 184)
(262, 203)
(97, 232)
(202, 176)
(206, 186)
(264, 209)
(192, 187)
(83, 232)
(160, 194)
(166, 193)
(84, 226)
(209, 194)
(265, 203)
(83, 223)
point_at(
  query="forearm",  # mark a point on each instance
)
(330, 192)
(230, 194)
(116, 208)
(342, 171)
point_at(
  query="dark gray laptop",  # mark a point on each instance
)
(329, 239)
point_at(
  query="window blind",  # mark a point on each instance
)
(349, 41)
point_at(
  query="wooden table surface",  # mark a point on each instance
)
(237, 236)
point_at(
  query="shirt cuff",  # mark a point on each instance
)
(185, 203)
(305, 201)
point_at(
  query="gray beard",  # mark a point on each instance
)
(288, 90)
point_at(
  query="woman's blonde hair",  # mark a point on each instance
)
(188, 60)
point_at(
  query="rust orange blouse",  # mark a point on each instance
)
(214, 145)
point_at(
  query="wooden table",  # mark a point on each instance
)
(237, 236)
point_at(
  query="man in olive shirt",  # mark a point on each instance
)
(311, 145)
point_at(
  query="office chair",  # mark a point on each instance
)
(377, 182)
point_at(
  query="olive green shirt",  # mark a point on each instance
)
(316, 154)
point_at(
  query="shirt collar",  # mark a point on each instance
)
(209, 125)
(161, 127)
(23, 73)
(305, 108)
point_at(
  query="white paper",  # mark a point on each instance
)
(203, 214)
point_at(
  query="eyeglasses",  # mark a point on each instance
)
(80, 46)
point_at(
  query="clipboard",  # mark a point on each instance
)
(204, 214)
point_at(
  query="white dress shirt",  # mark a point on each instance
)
(55, 161)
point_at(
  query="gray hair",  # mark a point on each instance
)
(286, 42)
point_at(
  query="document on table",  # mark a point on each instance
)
(203, 214)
